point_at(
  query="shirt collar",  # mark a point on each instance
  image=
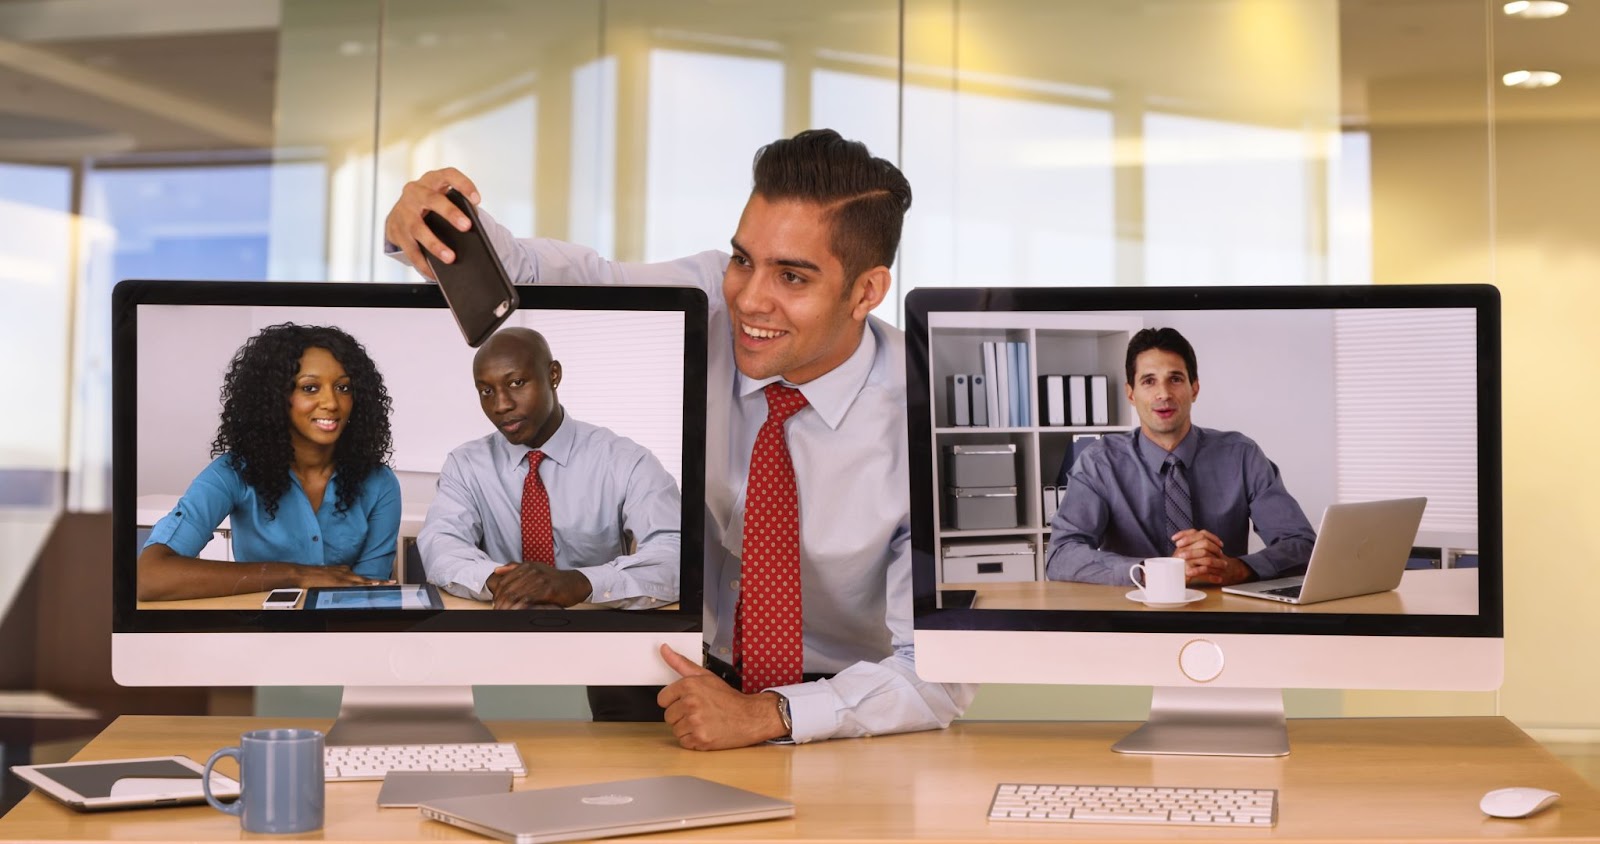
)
(832, 393)
(1154, 457)
(558, 448)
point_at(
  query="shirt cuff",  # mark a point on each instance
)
(179, 534)
(472, 581)
(1261, 565)
(602, 584)
(813, 711)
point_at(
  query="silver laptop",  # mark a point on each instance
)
(1361, 549)
(602, 810)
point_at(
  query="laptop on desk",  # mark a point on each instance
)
(1361, 549)
(607, 809)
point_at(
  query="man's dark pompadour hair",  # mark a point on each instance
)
(865, 198)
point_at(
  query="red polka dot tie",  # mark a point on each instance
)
(766, 634)
(538, 537)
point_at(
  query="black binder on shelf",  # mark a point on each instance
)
(1052, 401)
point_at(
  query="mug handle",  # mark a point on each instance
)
(1137, 567)
(237, 806)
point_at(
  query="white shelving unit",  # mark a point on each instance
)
(1056, 344)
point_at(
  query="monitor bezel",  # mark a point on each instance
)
(127, 296)
(1483, 299)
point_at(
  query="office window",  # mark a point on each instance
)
(592, 216)
(195, 222)
(707, 115)
(35, 204)
(1228, 203)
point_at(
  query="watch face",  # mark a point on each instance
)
(783, 714)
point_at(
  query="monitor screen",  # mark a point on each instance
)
(1326, 461)
(632, 372)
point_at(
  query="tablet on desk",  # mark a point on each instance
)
(125, 783)
(400, 596)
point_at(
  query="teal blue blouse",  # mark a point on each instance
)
(362, 537)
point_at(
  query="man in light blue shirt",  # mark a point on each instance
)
(1115, 513)
(810, 260)
(602, 489)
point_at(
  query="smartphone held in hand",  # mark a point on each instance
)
(475, 284)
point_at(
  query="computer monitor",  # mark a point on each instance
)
(633, 361)
(1351, 394)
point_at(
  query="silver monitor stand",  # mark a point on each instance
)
(1211, 722)
(376, 715)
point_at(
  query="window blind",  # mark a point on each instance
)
(1406, 405)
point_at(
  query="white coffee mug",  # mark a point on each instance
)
(1163, 581)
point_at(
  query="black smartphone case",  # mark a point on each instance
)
(475, 286)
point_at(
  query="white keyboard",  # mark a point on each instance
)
(372, 762)
(1233, 807)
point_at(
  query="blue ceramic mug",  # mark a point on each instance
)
(280, 781)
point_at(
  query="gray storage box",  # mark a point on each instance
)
(980, 465)
(981, 508)
(976, 562)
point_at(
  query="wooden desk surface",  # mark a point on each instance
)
(1421, 592)
(1393, 779)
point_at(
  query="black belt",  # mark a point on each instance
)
(730, 675)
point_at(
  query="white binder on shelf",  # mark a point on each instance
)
(1099, 400)
(1077, 400)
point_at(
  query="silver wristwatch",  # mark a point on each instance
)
(783, 713)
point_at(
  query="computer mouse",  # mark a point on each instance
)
(1518, 802)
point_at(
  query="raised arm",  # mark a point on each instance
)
(529, 260)
(404, 228)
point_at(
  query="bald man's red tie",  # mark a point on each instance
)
(538, 537)
(766, 635)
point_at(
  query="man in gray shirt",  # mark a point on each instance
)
(593, 488)
(1174, 489)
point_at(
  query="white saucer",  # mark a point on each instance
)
(1189, 597)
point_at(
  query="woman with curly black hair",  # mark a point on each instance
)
(299, 471)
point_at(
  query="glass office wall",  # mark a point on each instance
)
(1059, 142)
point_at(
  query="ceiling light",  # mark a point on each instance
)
(1536, 9)
(1531, 78)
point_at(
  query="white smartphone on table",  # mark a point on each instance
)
(282, 599)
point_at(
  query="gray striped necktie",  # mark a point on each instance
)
(1175, 491)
